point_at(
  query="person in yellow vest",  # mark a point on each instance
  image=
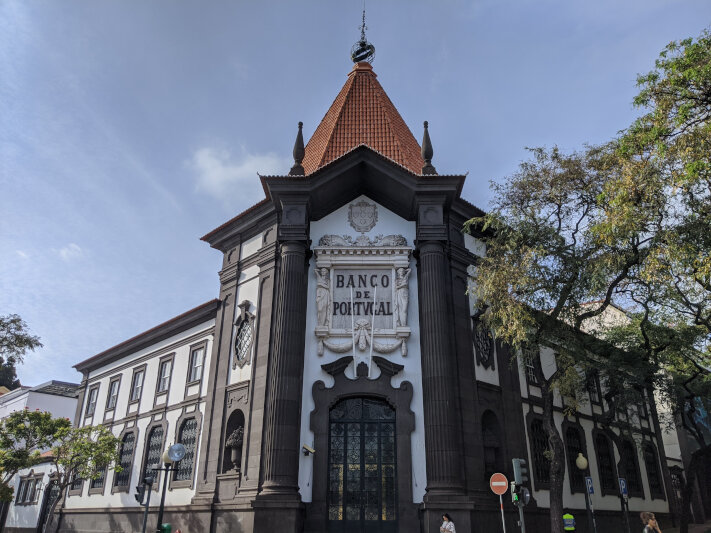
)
(568, 521)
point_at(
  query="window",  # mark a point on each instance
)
(113, 394)
(137, 385)
(31, 490)
(653, 475)
(574, 446)
(188, 438)
(532, 361)
(22, 491)
(123, 478)
(243, 342)
(492, 444)
(196, 362)
(605, 464)
(539, 447)
(27, 491)
(76, 483)
(91, 402)
(98, 483)
(164, 375)
(629, 467)
(593, 387)
(154, 450)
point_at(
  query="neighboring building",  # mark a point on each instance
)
(33, 487)
(340, 382)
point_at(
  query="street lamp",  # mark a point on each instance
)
(582, 463)
(172, 455)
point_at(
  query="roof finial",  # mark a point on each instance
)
(298, 169)
(427, 153)
(363, 50)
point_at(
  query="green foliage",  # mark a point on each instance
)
(15, 340)
(84, 453)
(22, 435)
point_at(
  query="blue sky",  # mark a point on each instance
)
(129, 129)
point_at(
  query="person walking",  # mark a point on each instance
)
(447, 525)
(649, 521)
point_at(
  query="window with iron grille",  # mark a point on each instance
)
(653, 475)
(123, 478)
(605, 463)
(196, 362)
(539, 447)
(593, 387)
(154, 450)
(76, 483)
(574, 446)
(113, 394)
(137, 385)
(243, 342)
(164, 375)
(91, 403)
(629, 467)
(98, 482)
(188, 438)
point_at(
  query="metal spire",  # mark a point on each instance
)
(363, 50)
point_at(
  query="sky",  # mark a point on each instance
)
(129, 129)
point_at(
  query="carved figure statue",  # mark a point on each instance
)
(323, 296)
(402, 296)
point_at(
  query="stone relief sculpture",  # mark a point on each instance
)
(362, 240)
(323, 296)
(362, 216)
(402, 296)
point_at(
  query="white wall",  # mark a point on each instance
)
(25, 516)
(388, 224)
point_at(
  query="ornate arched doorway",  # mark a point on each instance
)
(362, 466)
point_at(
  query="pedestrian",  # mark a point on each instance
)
(649, 521)
(447, 525)
(568, 521)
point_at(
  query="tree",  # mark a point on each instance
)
(23, 435)
(15, 340)
(547, 276)
(81, 453)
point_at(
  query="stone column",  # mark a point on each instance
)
(278, 506)
(442, 412)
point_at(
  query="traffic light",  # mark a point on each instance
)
(520, 495)
(520, 471)
(140, 492)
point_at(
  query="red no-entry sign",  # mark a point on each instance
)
(499, 484)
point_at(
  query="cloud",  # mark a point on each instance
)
(234, 179)
(22, 254)
(70, 251)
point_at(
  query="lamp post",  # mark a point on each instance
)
(172, 455)
(582, 463)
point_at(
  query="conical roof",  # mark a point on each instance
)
(362, 113)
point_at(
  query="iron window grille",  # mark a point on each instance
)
(98, 482)
(188, 438)
(574, 446)
(123, 478)
(91, 403)
(76, 483)
(605, 464)
(629, 467)
(653, 475)
(154, 450)
(196, 363)
(113, 395)
(593, 388)
(539, 446)
(137, 385)
(166, 368)
(243, 342)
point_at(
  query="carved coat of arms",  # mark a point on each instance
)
(362, 216)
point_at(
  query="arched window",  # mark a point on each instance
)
(491, 437)
(653, 475)
(234, 437)
(188, 438)
(154, 450)
(629, 467)
(123, 478)
(574, 446)
(539, 447)
(605, 463)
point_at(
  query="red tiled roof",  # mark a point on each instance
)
(362, 114)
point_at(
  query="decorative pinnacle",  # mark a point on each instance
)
(427, 153)
(298, 169)
(363, 50)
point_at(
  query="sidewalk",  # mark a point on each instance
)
(693, 528)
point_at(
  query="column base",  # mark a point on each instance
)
(457, 506)
(278, 512)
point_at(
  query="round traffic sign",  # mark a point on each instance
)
(499, 484)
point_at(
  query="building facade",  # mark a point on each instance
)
(344, 381)
(33, 487)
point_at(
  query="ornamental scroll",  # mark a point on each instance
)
(362, 293)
